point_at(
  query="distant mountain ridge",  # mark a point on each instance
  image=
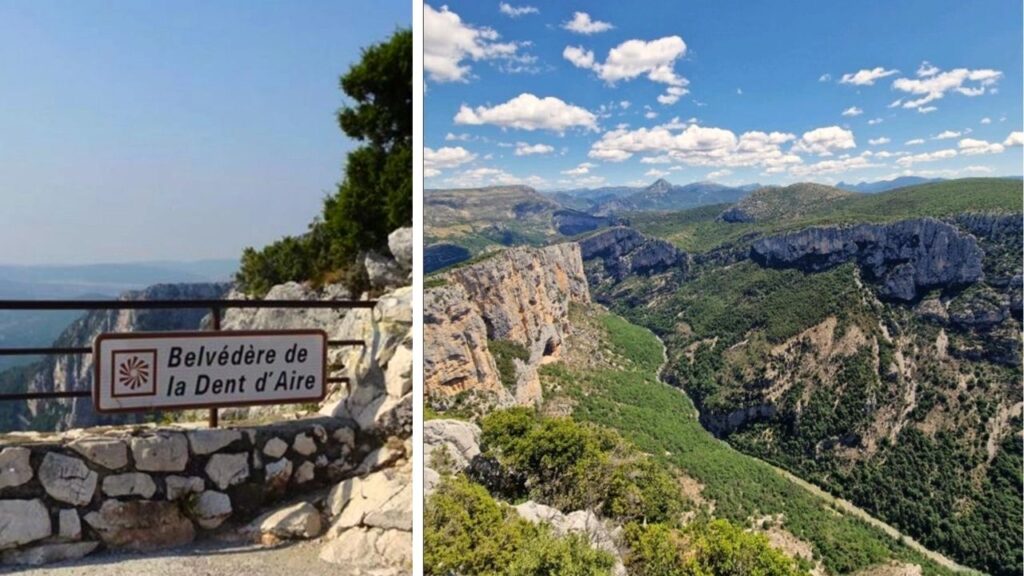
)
(867, 187)
(661, 195)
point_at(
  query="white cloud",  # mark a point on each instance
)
(946, 135)
(581, 23)
(879, 141)
(624, 104)
(580, 170)
(927, 109)
(926, 69)
(448, 43)
(434, 161)
(516, 11)
(697, 146)
(672, 95)
(839, 165)
(528, 112)
(914, 142)
(524, 149)
(634, 58)
(655, 173)
(973, 147)
(934, 84)
(1014, 139)
(650, 114)
(866, 77)
(579, 57)
(719, 174)
(823, 141)
(980, 169)
(656, 160)
(825, 77)
(463, 137)
(986, 120)
(926, 157)
(874, 121)
(852, 111)
(491, 177)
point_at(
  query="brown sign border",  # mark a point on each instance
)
(210, 334)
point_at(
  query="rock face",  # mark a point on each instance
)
(75, 372)
(33, 522)
(14, 466)
(67, 479)
(626, 252)
(573, 222)
(905, 258)
(600, 534)
(520, 295)
(141, 524)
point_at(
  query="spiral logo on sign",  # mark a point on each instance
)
(133, 373)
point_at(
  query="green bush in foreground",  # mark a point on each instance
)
(468, 532)
(505, 353)
(715, 548)
(574, 466)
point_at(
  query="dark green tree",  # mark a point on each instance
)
(375, 196)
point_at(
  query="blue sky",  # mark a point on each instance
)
(171, 130)
(583, 94)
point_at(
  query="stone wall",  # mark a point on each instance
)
(66, 495)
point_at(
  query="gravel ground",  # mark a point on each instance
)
(207, 558)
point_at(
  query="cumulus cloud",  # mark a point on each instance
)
(655, 59)
(672, 95)
(1014, 139)
(655, 173)
(581, 23)
(914, 142)
(926, 157)
(524, 149)
(485, 176)
(656, 160)
(933, 84)
(698, 146)
(824, 141)
(852, 111)
(874, 121)
(434, 161)
(986, 120)
(946, 135)
(516, 11)
(528, 112)
(719, 174)
(843, 164)
(580, 170)
(448, 43)
(879, 141)
(927, 109)
(973, 147)
(866, 77)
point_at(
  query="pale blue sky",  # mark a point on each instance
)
(577, 93)
(171, 130)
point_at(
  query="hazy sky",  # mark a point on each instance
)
(171, 130)
(583, 94)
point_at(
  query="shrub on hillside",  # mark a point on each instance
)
(468, 532)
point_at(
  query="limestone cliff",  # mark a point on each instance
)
(520, 295)
(625, 252)
(904, 258)
(74, 372)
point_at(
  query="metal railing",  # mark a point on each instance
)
(216, 308)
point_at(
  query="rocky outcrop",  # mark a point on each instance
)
(904, 259)
(601, 534)
(572, 222)
(520, 295)
(75, 372)
(622, 252)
